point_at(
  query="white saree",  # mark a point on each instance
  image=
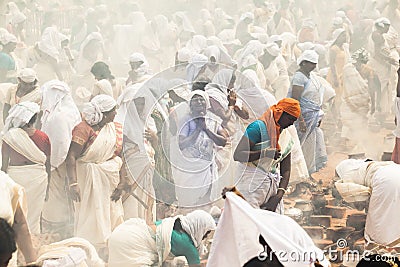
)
(98, 175)
(32, 177)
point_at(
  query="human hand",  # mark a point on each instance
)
(150, 135)
(232, 98)
(201, 123)
(75, 193)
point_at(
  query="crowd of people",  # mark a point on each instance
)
(133, 117)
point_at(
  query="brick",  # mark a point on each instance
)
(336, 212)
(321, 220)
(315, 232)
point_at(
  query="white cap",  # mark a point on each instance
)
(273, 49)
(27, 75)
(308, 55)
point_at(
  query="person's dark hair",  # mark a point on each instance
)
(101, 70)
(376, 260)
(7, 237)
(200, 85)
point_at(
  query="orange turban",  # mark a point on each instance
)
(288, 105)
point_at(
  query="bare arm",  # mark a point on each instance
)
(74, 152)
(185, 141)
(23, 236)
(6, 109)
(5, 157)
(243, 151)
(219, 138)
(242, 113)
(398, 83)
(285, 167)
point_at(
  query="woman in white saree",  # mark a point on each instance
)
(379, 183)
(26, 153)
(135, 243)
(13, 209)
(193, 163)
(93, 170)
(136, 105)
(60, 116)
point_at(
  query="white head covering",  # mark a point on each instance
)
(381, 22)
(20, 114)
(127, 115)
(217, 89)
(227, 36)
(306, 46)
(247, 15)
(186, 24)
(272, 49)
(7, 37)
(145, 67)
(60, 116)
(202, 94)
(352, 170)
(184, 54)
(16, 15)
(50, 42)
(308, 55)
(197, 44)
(93, 110)
(193, 68)
(320, 49)
(241, 222)
(196, 224)
(27, 75)
(308, 23)
(337, 21)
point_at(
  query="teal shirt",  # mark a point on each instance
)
(182, 245)
(6, 62)
(257, 133)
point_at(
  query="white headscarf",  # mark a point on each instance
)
(60, 116)
(20, 114)
(381, 22)
(193, 68)
(197, 44)
(144, 68)
(352, 170)
(336, 33)
(50, 42)
(308, 55)
(196, 224)
(16, 16)
(272, 49)
(27, 75)
(127, 115)
(202, 94)
(6, 37)
(248, 88)
(93, 110)
(217, 89)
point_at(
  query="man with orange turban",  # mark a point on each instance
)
(264, 148)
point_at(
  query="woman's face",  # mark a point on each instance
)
(308, 66)
(109, 115)
(198, 105)
(139, 103)
(286, 120)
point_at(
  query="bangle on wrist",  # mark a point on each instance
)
(73, 184)
(231, 107)
(282, 189)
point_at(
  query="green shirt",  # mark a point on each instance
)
(182, 245)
